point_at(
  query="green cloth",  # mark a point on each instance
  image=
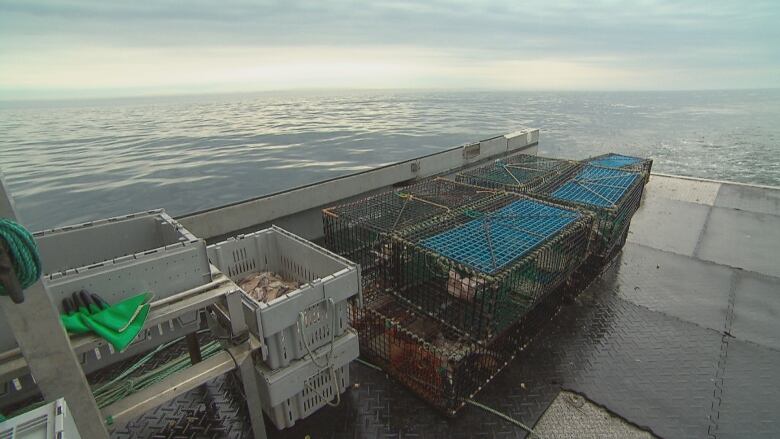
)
(118, 324)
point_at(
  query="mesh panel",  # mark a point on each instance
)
(596, 186)
(625, 162)
(518, 172)
(615, 161)
(358, 230)
(481, 269)
(440, 365)
(612, 195)
(493, 240)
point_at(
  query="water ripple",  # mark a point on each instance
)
(80, 161)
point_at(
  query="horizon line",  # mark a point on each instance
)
(303, 90)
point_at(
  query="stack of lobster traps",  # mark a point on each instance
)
(359, 230)
(624, 162)
(612, 195)
(458, 275)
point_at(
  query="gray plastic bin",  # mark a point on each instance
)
(297, 391)
(51, 421)
(117, 258)
(330, 281)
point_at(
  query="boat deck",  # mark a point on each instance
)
(680, 337)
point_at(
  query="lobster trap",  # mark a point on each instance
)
(517, 173)
(437, 363)
(479, 270)
(359, 230)
(612, 195)
(624, 162)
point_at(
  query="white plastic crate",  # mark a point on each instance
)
(117, 258)
(51, 421)
(304, 387)
(329, 281)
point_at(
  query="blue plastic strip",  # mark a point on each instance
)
(615, 161)
(600, 187)
(495, 239)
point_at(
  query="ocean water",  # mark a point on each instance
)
(69, 162)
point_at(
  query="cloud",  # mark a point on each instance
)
(144, 45)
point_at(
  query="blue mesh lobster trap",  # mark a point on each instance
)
(613, 195)
(481, 269)
(358, 230)
(492, 240)
(625, 162)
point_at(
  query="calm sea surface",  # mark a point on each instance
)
(70, 162)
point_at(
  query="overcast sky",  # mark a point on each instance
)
(77, 48)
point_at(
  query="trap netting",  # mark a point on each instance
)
(437, 363)
(358, 230)
(613, 195)
(481, 269)
(517, 173)
(625, 162)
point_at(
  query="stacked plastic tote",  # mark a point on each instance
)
(308, 344)
(459, 273)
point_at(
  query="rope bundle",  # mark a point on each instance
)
(23, 251)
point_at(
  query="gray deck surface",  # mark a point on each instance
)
(681, 336)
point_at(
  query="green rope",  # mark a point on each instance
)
(23, 251)
(123, 385)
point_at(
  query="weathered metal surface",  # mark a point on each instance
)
(679, 189)
(681, 224)
(742, 239)
(752, 199)
(750, 398)
(756, 310)
(689, 289)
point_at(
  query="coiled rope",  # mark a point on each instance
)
(23, 251)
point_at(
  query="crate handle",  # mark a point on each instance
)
(333, 383)
(302, 324)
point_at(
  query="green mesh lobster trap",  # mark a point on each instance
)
(358, 230)
(624, 162)
(479, 270)
(434, 361)
(517, 173)
(612, 195)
